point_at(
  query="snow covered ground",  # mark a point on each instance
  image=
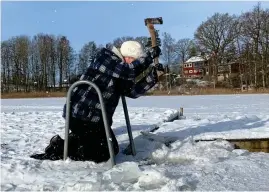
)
(28, 124)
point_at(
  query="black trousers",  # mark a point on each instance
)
(87, 141)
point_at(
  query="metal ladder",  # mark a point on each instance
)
(103, 109)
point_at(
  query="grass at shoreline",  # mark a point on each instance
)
(17, 95)
(208, 91)
(211, 91)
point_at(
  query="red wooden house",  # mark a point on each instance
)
(194, 67)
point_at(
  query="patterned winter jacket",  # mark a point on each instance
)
(114, 78)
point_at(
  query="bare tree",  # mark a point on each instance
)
(182, 48)
(216, 36)
(24, 42)
(264, 43)
(19, 47)
(169, 52)
(6, 66)
(62, 56)
(252, 22)
(217, 33)
(70, 68)
(35, 63)
(53, 60)
(44, 44)
(169, 55)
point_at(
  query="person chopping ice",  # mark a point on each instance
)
(114, 72)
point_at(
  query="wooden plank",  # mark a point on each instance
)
(250, 144)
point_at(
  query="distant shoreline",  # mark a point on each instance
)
(207, 91)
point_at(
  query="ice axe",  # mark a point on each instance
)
(150, 22)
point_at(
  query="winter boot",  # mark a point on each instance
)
(55, 146)
(54, 151)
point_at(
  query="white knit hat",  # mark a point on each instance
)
(132, 49)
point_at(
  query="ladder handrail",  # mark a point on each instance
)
(103, 109)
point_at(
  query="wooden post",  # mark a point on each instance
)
(181, 111)
(180, 115)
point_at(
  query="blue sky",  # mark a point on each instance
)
(102, 22)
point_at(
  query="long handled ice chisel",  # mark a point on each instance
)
(128, 125)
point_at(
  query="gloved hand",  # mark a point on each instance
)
(159, 67)
(148, 58)
(155, 52)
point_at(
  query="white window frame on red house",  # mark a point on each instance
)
(190, 71)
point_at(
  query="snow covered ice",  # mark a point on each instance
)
(28, 124)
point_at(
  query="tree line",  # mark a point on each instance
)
(46, 60)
